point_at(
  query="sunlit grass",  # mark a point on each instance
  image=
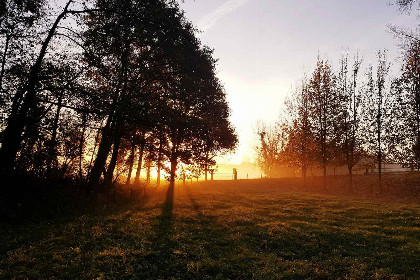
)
(223, 231)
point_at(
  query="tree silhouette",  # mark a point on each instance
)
(127, 83)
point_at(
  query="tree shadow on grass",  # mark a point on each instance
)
(194, 203)
(78, 247)
(293, 246)
(216, 251)
(163, 258)
(164, 227)
(189, 247)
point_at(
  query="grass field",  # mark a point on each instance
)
(253, 229)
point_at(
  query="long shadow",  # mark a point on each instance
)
(220, 247)
(166, 218)
(169, 257)
(161, 261)
(91, 233)
(194, 203)
(304, 245)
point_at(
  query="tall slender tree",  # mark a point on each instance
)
(348, 126)
(407, 88)
(323, 106)
(300, 149)
(376, 119)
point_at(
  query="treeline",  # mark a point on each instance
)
(355, 116)
(93, 91)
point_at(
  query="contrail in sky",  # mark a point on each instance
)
(209, 20)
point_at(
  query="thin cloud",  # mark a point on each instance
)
(209, 20)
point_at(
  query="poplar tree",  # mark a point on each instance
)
(300, 148)
(350, 107)
(324, 113)
(377, 125)
(407, 89)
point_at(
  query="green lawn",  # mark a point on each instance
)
(247, 230)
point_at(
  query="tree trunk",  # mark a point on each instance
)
(350, 178)
(380, 171)
(379, 121)
(82, 140)
(148, 173)
(113, 163)
(131, 162)
(158, 174)
(102, 155)
(206, 167)
(140, 162)
(174, 163)
(304, 168)
(3, 61)
(52, 145)
(159, 160)
(94, 150)
(158, 169)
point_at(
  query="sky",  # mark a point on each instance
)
(264, 47)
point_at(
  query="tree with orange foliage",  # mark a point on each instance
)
(272, 141)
